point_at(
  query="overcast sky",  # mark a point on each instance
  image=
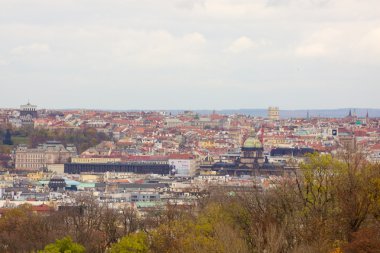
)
(190, 54)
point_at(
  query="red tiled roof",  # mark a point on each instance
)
(376, 147)
(42, 208)
(181, 156)
(146, 158)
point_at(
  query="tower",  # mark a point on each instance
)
(273, 113)
(28, 109)
(350, 114)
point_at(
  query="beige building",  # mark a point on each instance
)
(205, 122)
(58, 168)
(273, 113)
(173, 122)
(91, 177)
(48, 153)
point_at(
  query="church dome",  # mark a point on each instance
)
(252, 142)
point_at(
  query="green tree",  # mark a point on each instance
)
(134, 243)
(211, 230)
(65, 245)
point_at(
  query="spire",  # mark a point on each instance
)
(260, 134)
(350, 114)
(367, 118)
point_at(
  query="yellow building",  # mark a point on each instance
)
(95, 160)
(91, 178)
(206, 144)
(274, 142)
(36, 176)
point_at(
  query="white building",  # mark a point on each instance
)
(184, 167)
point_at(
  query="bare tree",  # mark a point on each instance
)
(129, 219)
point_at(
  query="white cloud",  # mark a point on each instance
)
(322, 43)
(3, 62)
(371, 41)
(36, 48)
(312, 50)
(104, 46)
(158, 48)
(354, 43)
(241, 44)
(140, 45)
(189, 4)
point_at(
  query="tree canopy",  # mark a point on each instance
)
(65, 245)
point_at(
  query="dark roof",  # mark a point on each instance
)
(224, 165)
(100, 184)
(145, 186)
(291, 151)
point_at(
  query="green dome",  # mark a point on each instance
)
(252, 142)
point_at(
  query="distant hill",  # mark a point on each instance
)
(325, 113)
(329, 113)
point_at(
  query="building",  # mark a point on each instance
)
(57, 184)
(51, 152)
(184, 167)
(28, 110)
(56, 168)
(144, 197)
(273, 113)
(3, 120)
(251, 152)
(346, 138)
(290, 152)
(173, 122)
(131, 167)
(205, 122)
(96, 160)
(28, 113)
(251, 161)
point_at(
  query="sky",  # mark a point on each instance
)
(190, 54)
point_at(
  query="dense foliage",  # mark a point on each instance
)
(81, 138)
(65, 245)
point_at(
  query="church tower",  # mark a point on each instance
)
(273, 113)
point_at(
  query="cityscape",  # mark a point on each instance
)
(146, 160)
(189, 126)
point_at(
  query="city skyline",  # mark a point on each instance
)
(226, 110)
(190, 54)
(256, 112)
